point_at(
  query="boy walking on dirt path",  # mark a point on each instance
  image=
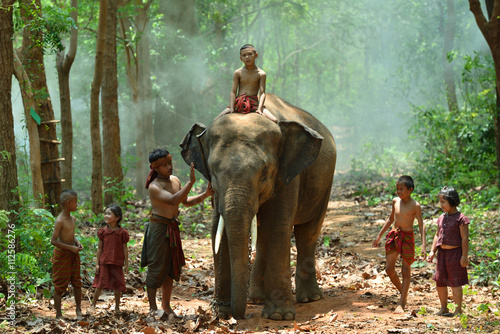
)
(162, 249)
(247, 82)
(401, 240)
(66, 260)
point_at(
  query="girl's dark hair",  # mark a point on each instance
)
(117, 211)
(451, 195)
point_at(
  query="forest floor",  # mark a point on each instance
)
(358, 295)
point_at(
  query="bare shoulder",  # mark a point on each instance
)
(261, 72)
(237, 73)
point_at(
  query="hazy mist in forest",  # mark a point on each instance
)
(371, 63)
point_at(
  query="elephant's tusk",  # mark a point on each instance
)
(254, 232)
(218, 236)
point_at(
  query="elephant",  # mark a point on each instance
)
(280, 173)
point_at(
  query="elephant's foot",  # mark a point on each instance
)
(310, 294)
(223, 310)
(284, 311)
(255, 297)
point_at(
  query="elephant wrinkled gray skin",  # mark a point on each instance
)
(282, 173)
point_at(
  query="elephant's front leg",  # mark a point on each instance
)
(222, 267)
(274, 256)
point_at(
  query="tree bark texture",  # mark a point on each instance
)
(490, 28)
(31, 55)
(112, 169)
(95, 133)
(9, 199)
(34, 139)
(63, 65)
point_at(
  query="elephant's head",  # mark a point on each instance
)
(246, 157)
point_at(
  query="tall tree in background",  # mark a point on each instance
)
(95, 133)
(447, 27)
(176, 70)
(112, 169)
(31, 59)
(63, 65)
(490, 28)
(138, 66)
(9, 198)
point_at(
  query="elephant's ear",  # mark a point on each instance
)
(192, 149)
(300, 147)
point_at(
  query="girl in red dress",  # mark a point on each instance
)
(452, 245)
(112, 255)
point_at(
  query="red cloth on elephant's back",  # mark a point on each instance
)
(245, 104)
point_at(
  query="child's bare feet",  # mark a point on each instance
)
(78, 312)
(443, 311)
(399, 309)
(91, 309)
(59, 316)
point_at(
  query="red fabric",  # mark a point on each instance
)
(151, 176)
(65, 269)
(449, 228)
(110, 277)
(245, 104)
(112, 245)
(401, 242)
(449, 272)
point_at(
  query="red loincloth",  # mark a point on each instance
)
(401, 242)
(245, 104)
(449, 272)
(65, 269)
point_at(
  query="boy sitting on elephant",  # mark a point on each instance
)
(247, 82)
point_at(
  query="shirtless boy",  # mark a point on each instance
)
(247, 82)
(163, 255)
(401, 240)
(66, 260)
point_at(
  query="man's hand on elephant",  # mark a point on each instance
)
(210, 190)
(192, 177)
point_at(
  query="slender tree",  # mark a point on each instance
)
(95, 134)
(8, 167)
(490, 28)
(31, 59)
(112, 169)
(138, 65)
(63, 65)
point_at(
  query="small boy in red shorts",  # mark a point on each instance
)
(401, 240)
(247, 82)
(66, 260)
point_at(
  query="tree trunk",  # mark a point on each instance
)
(139, 78)
(112, 169)
(177, 71)
(491, 32)
(34, 139)
(9, 198)
(32, 60)
(449, 36)
(63, 65)
(95, 134)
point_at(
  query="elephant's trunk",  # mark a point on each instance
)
(238, 215)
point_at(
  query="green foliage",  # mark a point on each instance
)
(50, 24)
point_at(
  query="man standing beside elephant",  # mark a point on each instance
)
(162, 250)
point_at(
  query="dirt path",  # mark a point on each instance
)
(358, 296)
